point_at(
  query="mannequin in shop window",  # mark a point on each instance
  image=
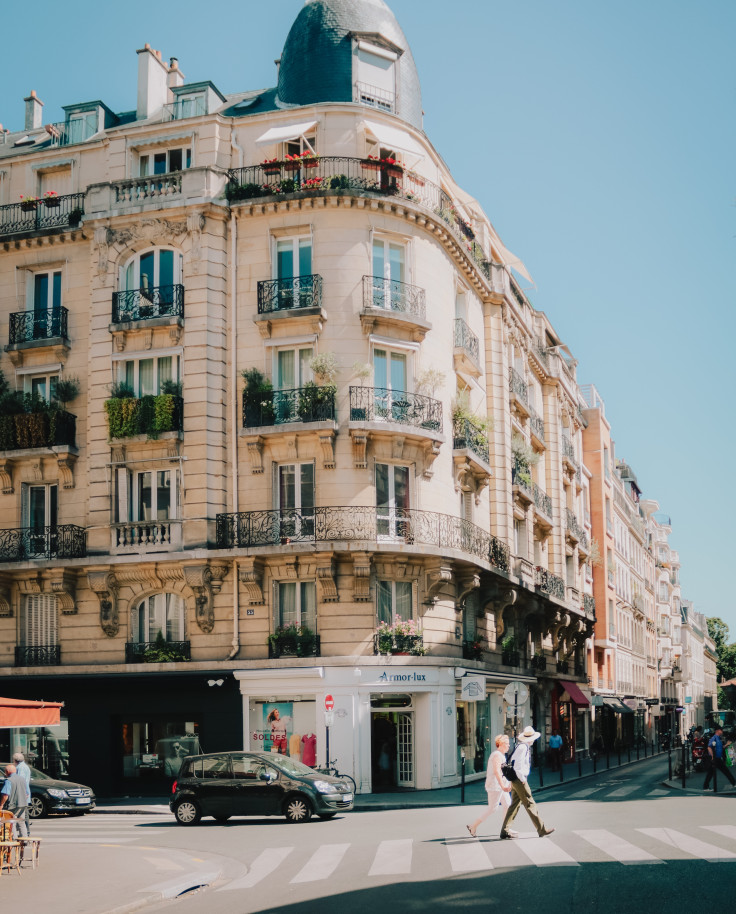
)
(309, 750)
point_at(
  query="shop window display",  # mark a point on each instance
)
(154, 749)
(285, 726)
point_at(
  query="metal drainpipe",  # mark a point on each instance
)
(234, 416)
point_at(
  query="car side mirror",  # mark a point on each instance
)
(267, 776)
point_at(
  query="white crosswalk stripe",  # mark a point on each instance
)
(728, 831)
(322, 864)
(581, 794)
(616, 847)
(542, 852)
(659, 792)
(624, 791)
(467, 856)
(690, 845)
(264, 864)
(393, 858)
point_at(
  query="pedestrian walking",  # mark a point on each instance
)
(555, 750)
(13, 795)
(715, 751)
(497, 787)
(521, 794)
(21, 766)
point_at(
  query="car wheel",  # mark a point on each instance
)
(327, 815)
(221, 819)
(298, 809)
(187, 812)
(37, 809)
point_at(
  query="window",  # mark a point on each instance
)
(293, 257)
(292, 367)
(41, 385)
(146, 495)
(297, 604)
(375, 76)
(390, 379)
(45, 303)
(295, 495)
(38, 621)
(161, 612)
(160, 269)
(189, 106)
(392, 501)
(300, 145)
(389, 270)
(149, 377)
(39, 506)
(165, 160)
(393, 601)
(81, 127)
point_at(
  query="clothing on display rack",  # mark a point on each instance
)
(309, 752)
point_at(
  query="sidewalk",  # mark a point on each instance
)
(412, 799)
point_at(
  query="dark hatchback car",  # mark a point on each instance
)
(49, 795)
(226, 784)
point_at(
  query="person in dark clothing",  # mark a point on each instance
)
(718, 762)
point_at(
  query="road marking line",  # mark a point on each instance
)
(692, 846)
(624, 791)
(467, 856)
(90, 841)
(659, 793)
(542, 852)
(393, 858)
(616, 847)
(322, 864)
(728, 831)
(264, 864)
(584, 793)
(162, 863)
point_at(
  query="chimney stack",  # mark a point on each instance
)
(152, 89)
(34, 112)
(175, 77)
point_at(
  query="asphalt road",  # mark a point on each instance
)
(621, 841)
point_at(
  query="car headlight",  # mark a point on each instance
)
(56, 793)
(325, 787)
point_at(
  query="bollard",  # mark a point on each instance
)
(608, 759)
(645, 748)
(684, 757)
(628, 754)
(669, 763)
(595, 763)
(580, 767)
(462, 779)
(619, 753)
(638, 742)
(715, 779)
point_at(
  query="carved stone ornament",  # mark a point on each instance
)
(66, 470)
(501, 605)
(437, 577)
(63, 585)
(6, 609)
(6, 476)
(161, 231)
(255, 454)
(464, 586)
(250, 573)
(327, 580)
(360, 444)
(198, 578)
(103, 583)
(361, 577)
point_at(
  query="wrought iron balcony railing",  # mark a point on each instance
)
(536, 423)
(374, 97)
(45, 655)
(47, 213)
(186, 107)
(510, 658)
(348, 173)
(538, 662)
(27, 326)
(390, 643)
(301, 404)
(335, 524)
(155, 652)
(63, 541)
(562, 666)
(568, 451)
(549, 583)
(146, 304)
(294, 646)
(541, 500)
(472, 650)
(589, 604)
(52, 428)
(289, 294)
(467, 435)
(379, 404)
(393, 295)
(465, 339)
(518, 386)
(521, 476)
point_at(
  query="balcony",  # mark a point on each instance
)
(387, 642)
(549, 584)
(521, 482)
(62, 541)
(45, 428)
(589, 605)
(467, 349)
(472, 650)
(574, 529)
(147, 304)
(146, 536)
(467, 436)
(536, 426)
(50, 327)
(143, 190)
(568, 454)
(379, 404)
(292, 294)
(157, 651)
(290, 641)
(519, 393)
(538, 662)
(510, 658)
(42, 215)
(374, 97)
(543, 505)
(353, 524)
(392, 295)
(151, 415)
(563, 667)
(302, 404)
(48, 655)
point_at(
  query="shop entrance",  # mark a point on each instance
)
(392, 743)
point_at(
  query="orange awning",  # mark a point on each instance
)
(575, 694)
(17, 712)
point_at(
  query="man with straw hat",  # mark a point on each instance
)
(520, 791)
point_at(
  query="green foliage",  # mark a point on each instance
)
(461, 411)
(293, 639)
(29, 421)
(244, 191)
(523, 452)
(66, 389)
(508, 643)
(339, 182)
(162, 652)
(75, 216)
(149, 415)
(429, 380)
(316, 402)
(257, 398)
(325, 367)
(726, 653)
(120, 390)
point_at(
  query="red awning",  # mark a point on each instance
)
(17, 712)
(575, 694)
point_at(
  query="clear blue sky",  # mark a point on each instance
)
(599, 138)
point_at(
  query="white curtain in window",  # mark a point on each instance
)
(383, 602)
(403, 600)
(309, 605)
(287, 604)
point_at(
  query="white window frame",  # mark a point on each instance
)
(300, 145)
(144, 605)
(301, 619)
(49, 378)
(128, 495)
(296, 241)
(300, 524)
(31, 289)
(302, 371)
(393, 587)
(135, 284)
(393, 519)
(147, 160)
(120, 370)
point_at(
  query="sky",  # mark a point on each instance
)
(599, 138)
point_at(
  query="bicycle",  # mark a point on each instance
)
(333, 772)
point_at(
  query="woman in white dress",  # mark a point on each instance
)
(497, 787)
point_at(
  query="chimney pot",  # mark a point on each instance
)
(34, 112)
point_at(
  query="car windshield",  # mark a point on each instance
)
(289, 765)
(40, 775)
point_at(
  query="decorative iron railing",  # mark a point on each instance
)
(549, 583)
(374, 97)
(568, 451)
(335, 524)
(562, 666)
(301, 404)
(538, 662)
(579, 669)
(521, 476)
(288, 645)
(541, 500)
(63, 541)
(145, 304)
(46, 655)
(393, 295)
(347, 173)
(52, 428)
(466, 340)
(155, 652)
(379, 404)
(289, 294)
(186, 107)
(542, 352)
(536, 423)
(467, 435)
(518, 386)
(153, 187)
(46, 213)
(510, 658)
(390, 643)
(575, 529)
(472, 650)
(26, 326)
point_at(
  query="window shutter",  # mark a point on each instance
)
(275, 604)
(124, 513)
(25, 514)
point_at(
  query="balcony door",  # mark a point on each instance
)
(295, 491)
(392, 502)
(149, 377)
(161, 612)
(297, 604)
(388, 270)
(293, 262)
(154, 274)
(292, 372)
(390, 378)
(46, 305)
(40, 517)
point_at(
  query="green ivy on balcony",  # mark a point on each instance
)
(128, 416)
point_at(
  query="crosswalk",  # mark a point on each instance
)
(467, 855)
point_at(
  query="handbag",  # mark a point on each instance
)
(509, 772)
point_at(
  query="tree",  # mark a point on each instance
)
(726, 654)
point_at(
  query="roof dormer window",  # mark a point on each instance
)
(374, 70)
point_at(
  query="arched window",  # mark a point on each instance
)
(161, 612)
(158, 268)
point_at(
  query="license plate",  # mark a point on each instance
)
(347, 798)
(82, 801)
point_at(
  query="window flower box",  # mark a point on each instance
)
(28, 204)
(402, 637)
(271, 167)
(51, 199)
(370, 164)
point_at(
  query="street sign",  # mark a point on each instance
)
(329, 718)
(516, 693)
(329, 703)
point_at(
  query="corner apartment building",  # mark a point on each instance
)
(322, 443)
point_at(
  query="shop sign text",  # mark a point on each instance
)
(402, 677)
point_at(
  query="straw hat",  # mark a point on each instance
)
(528, 736)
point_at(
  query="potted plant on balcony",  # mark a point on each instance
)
(258, 405)
(469, 426)
(509, 653)
(292, 640)
(51, 199)
(370, 163)
(271, 166)
(161, 651)
(475, 649)
(317, 398)
(28, 203)
(401, 637)
(75, 216)
(66, 390)
(358, 410)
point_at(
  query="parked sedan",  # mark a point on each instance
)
(226, 784)
(49, 795)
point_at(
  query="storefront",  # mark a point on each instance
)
(570, 716)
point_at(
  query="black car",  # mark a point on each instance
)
(226, 784)
(49, 795)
